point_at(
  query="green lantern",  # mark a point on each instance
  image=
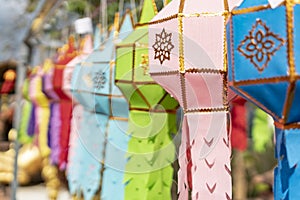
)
(152, 117)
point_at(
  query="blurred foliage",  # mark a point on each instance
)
(84, 7)
(31, 5)
(78, 6)
(259, 164)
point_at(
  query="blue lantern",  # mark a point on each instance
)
(263, 67)
(103, 138)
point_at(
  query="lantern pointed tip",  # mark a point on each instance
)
(149, 10)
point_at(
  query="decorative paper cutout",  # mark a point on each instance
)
(163, 46)
(99, 80)
(260, 45)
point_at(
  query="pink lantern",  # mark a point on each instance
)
(188, 58)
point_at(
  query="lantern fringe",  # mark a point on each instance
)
(205, 171)
(148, 171)
(287, 173)
(83, 168)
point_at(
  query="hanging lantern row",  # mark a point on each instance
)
(120, 99)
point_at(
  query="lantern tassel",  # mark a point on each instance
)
(185, 163)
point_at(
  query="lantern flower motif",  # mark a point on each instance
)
(163, 46)
(260, 45)
(99, 79)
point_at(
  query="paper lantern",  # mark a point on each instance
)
(42, 110)
(264, 69)
(24, 137)
(152, 117)
(66, 54)
(55, 120)
(84, 51)
(105, 116)
(188, 59)
(78, 155)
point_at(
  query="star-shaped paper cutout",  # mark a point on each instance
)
(163, 46)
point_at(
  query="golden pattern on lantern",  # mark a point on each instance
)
(145, 64)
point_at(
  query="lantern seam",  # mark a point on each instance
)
(137, 82)
(183, 91)
(141, 95)
(287, 126)
(191, 70)
(207, 110)
(259, 104)
(290, 94)
(162, 98)
(261, 81)
(90, 64)
(133, 63)
(251, 9)
(97, 94)
(174, 16)
(166, 73)
(171, 111)
(118, 118)
(226, 6)
(181, 44)
(232, 49)
(225, 62)
(111, 65)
